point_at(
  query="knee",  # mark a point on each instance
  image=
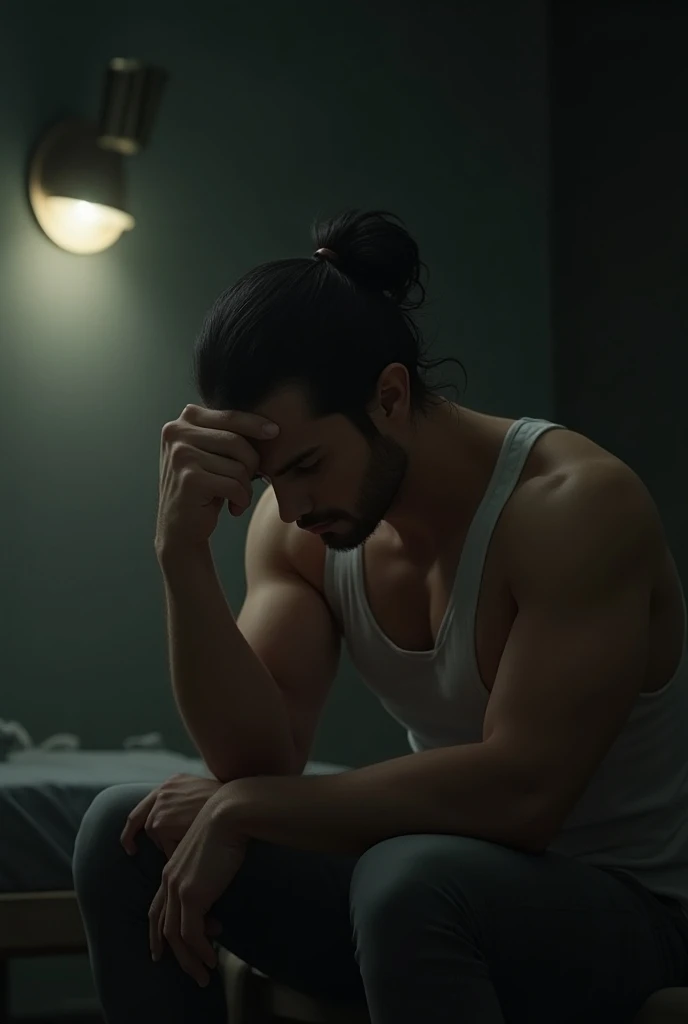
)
(413, 881)
(97, 849)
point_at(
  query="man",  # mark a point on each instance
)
(506, 589)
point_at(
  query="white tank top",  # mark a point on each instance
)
(633, 815)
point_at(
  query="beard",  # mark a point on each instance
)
(382, 481)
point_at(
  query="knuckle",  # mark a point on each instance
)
(169, 431)
(186, 892)
(180, 452)
(187, 478)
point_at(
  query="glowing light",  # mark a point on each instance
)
(80, 226)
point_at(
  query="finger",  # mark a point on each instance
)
(154, 840)
(168, 846)
(241, 466)
(188, 960)
(155, 916)
(193, 933)
(161, 927)
(248, 424)
(136, 821)
(159, 834)
(225, 476)
(237, 489)
(223, 487)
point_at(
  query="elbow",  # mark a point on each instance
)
(228, 760)
(226, 769)
(528, 825)
(524, 835)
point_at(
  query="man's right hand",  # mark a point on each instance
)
(206, 459)
(168, 811)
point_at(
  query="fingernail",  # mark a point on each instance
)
(270, 430)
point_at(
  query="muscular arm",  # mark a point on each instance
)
(585, 551)
(249, 690)
(288, 625)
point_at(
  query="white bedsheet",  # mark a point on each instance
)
(44, 795)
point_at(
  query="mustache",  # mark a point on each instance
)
(308, 522)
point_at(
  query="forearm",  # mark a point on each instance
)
(464, 790)
(228, 700)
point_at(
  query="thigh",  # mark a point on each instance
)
(571, 941)
(286, 911)
(561, 940)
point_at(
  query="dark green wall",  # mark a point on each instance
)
(619, 252)
(274, 113)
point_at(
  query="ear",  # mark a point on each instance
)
(392, 403)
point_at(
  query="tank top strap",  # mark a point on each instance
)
(516, 447)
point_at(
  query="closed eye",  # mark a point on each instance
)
(302, 470)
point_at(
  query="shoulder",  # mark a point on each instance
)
(283, 544)
(583, 518)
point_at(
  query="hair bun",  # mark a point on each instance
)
(376, 251)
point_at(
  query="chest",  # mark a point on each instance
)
(409, 603)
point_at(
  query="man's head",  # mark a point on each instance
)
(326, 471)
(326, 346)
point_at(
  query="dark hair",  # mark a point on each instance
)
(328, 323)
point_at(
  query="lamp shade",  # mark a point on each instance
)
(130, 100)
(77, 189)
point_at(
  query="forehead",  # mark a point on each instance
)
(299, 430)
(289, 408)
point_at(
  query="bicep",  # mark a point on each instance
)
(568, 678)
(290, 628)
(574, 661)
(565, 687)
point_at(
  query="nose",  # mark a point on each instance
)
(292, 506)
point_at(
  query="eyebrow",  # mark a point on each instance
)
(301, 457)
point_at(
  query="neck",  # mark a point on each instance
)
(452, 455)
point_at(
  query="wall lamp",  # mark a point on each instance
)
(77, 181)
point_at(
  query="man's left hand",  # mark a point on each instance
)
(198, 872)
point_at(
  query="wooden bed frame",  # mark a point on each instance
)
(36, 924)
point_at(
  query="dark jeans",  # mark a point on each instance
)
(426, 928)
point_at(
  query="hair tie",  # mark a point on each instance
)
(327, 255)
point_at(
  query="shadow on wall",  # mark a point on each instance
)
(619, 221)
